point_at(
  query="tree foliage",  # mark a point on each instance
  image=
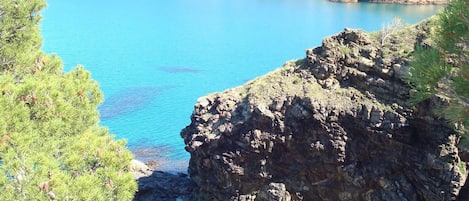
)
(443, 68)
(51, 146)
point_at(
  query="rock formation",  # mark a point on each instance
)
(164, 186)
(333, 126)
(158, 185)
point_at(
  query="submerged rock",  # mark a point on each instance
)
(333, 126)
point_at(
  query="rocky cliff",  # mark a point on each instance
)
(335, 125)
(396, 1)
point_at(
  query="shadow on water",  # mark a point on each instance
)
(179, 69)
(129, 100)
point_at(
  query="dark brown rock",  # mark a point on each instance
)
(164, 186)
(337, 127)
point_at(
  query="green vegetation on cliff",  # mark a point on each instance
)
(51, 146)
(442, 68)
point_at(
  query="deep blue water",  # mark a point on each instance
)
(154, 58)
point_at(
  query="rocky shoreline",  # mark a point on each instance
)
(408, 2)
(159, 185)
(163, 186)
(335, 125)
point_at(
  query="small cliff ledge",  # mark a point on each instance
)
(436, 2)
(335, 125)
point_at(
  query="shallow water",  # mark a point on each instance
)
(154, 58)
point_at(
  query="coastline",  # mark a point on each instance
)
(343, 112)
(156, 158)
(403, 2)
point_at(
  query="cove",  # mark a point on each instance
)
(154, 58)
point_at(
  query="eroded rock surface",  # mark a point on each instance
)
(155, 185)
(164, 186)
(333, 126)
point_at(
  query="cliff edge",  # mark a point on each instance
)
(335, 125)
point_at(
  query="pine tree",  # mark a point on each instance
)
(51, 146)
(443, 68)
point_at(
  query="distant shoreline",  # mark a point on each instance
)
(403, 2)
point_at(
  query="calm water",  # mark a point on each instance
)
(154, 58)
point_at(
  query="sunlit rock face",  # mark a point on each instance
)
(335, 125)
(436, 2)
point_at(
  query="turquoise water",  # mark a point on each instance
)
(154, 58)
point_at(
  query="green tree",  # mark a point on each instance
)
(443, 67)
(51, 146)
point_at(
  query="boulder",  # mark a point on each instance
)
(139, 169)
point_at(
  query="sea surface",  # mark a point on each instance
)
(154, 58)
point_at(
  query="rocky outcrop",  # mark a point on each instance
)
(164, 186)
(333, 126)
(396, 1)
(139, 169)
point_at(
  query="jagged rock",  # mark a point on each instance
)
(139, 169)
(159, 185)
(163, 186)
(396, 1)
(333, 126)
